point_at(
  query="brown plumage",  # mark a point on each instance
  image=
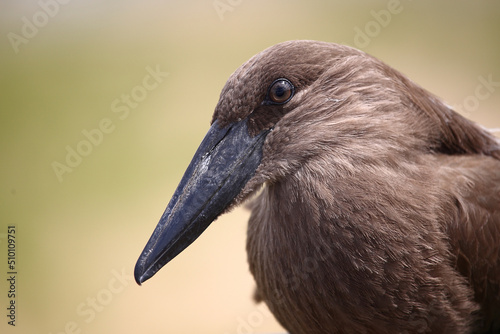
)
(380, 211)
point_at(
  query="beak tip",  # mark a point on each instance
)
(138, 279)
(139, 274)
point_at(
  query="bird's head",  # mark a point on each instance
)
(292, 103)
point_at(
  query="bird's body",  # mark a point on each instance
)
(381, 206)
(384, 250)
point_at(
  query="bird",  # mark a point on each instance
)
(375, 207)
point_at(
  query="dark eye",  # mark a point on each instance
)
(281, 91)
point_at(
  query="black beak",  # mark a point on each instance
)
(226, 159)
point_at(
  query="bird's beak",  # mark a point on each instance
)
(226, 159)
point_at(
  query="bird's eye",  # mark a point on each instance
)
(281, 91)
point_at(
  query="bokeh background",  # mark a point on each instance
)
(79, 234)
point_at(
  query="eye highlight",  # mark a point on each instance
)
(280, 91)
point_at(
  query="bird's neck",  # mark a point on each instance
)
(313, 239)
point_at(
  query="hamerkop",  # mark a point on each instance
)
(378, 206)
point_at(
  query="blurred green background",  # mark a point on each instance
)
(62, 66)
